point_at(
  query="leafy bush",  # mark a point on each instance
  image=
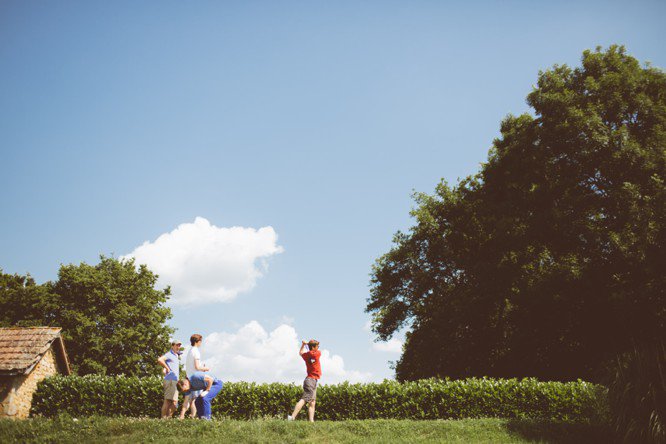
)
(424, 399)
(638, 395)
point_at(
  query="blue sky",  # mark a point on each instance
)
(121, 121)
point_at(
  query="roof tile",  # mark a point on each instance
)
(22, 347)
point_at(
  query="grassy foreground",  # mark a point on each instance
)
(117, 430)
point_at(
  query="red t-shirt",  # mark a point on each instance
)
(311, 359)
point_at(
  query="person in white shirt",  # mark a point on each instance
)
(193, 361)
(193, 364)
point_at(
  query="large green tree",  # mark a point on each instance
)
(113, 318)
(550, 261)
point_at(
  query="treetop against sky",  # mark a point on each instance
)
(260, 156)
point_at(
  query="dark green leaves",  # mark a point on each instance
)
(549, 261)
(426, 399)
(113, 319)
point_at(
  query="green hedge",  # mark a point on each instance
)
(425, 399)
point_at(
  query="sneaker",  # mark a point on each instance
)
(290, 418)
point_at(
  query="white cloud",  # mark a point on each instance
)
(253, 354)
(393, 345)
(204, 263)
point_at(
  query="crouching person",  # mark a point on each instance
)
(211, 387)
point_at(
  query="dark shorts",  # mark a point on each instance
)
(309, 390)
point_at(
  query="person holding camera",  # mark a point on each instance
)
(313, 367)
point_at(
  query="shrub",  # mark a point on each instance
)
(424, 399)
(638, 395)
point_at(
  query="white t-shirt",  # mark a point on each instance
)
(192, 356)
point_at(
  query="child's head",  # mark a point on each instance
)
(313, 344)
(183, 385)
(195, 339)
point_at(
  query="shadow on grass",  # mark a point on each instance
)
(559, 431)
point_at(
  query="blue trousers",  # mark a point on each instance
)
(203, 402)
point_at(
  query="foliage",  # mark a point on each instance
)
(427, 399)
(638, 395)
(547, 262)
(113, 319)
(96, 429)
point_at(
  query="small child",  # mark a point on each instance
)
(188, 402)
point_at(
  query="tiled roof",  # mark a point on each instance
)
(21, 348)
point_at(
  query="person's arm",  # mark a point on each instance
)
(186, 405)
(303, 350)
(199, 367)
(162, 361)
(209, 382)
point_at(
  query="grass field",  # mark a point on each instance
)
(120, 430)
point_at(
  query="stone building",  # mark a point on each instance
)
(27, 355)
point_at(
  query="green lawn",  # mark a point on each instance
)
(117, 430)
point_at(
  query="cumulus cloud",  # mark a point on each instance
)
(393, 345)
(254, 354)
(204, 263)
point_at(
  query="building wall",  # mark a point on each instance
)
(16, 391)
(6, 385)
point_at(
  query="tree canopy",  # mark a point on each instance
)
(550, 260)
(113, 319)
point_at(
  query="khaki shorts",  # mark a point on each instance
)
(309, 390)
(170, 390)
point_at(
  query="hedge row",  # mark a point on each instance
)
(425, 399)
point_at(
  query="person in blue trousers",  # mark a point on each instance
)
(211, 387)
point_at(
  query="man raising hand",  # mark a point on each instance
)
(313, 367)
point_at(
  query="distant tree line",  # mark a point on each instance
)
(113, 318)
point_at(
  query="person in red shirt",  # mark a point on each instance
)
(313, 367)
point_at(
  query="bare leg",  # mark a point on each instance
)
(299, 406)
(165, 409)
(168, 407)
(193, 410)
(311, 410)
(183, 409)
(171, 408)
